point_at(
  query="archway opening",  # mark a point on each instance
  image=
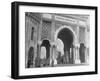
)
(30, 57)
(46, 44)
(66, 35)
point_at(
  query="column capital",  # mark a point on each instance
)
(39, 42)
(53, 44)
(77, 45)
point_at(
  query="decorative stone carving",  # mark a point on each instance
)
(46, 30)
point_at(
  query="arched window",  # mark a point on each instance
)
(82, 52)
(32, 33)
(30, 57)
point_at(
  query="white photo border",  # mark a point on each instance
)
(55, 70)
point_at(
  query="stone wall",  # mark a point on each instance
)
(31, 40)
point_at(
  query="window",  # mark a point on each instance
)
(32, 33)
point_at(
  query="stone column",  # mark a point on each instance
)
(39, 37)
(75, 49)
(52, 37)
(53, 27)
(76, 58)
(74, 54)
(40, 29)
(86, 43)
(86, 55)
(38, 47)
(52, 53)
(77, 31)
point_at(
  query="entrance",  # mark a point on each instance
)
(30, 57)
(66, 36)
(46, 44)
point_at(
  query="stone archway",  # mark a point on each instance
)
(46, 44)
(30, 57)
(69, 39)
(67, 35)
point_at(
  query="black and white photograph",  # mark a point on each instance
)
(50, 40)
(53, 40)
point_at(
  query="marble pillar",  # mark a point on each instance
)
(77, 45)
(52, 51)
(86, 44)
(76, 54)
(39, 48)
(52, 38)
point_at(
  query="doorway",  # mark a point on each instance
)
(46, 44)
(66, 36)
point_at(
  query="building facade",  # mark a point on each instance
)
(46, 29)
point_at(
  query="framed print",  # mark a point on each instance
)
(50, 40)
